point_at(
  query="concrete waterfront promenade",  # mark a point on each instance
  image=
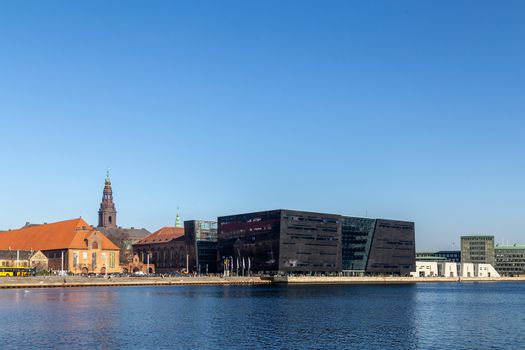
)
(389, 280)
(77, 281)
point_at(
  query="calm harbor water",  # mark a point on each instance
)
(423, 316)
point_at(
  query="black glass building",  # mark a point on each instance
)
(290, 241)
(357, 234)
(377, 246)
(282, 241)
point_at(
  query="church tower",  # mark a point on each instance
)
(107, 214)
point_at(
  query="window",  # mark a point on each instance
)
(112, 260)
(94, 260)
(94, 245)
(75, 259)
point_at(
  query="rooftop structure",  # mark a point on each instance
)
(449, 255)
(69, 234)
(107, 223)
(165, 248)
(107, 214)
(163, 235)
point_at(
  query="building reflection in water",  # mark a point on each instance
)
(68, 315)
(419, 316)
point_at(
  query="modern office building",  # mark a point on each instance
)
(282, 241)
(290, 241)
(510, 259)
(357, 234)
(477, 249)
(377, 246)
(201, 245)
(449, 255)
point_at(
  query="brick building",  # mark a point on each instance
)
(72, 243)
(166, 249)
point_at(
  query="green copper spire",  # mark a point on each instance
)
(177, 220)
(107, 176)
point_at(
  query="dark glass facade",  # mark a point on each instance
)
(310, 242)
(393, 249)
(201, 245)
(283, 240)
(378, 246)
(252, 235)
(357, 234)
(304, 242)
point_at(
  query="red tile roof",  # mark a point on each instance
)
(163, 235)
(69, 234)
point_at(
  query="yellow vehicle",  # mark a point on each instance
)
(16, 271)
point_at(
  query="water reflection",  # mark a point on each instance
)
(283, 317)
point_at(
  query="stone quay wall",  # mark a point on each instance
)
(77, 281)
(388, 280)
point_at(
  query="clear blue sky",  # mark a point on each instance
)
(411, 110)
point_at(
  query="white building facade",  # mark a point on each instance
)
(452, 269)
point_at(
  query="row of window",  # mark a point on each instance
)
(112, 259)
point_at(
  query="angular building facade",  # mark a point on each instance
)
(377, 246)
(282, 241)
(288, 241)
(357, 234)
